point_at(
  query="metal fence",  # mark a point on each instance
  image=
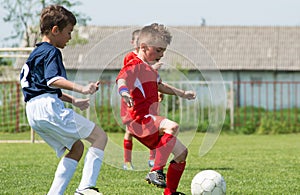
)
(245, 102)
(275, 100)
(10, 106)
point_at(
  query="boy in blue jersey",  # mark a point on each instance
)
(42, 78)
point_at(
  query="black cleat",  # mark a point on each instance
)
(156, 178)
(178, 193)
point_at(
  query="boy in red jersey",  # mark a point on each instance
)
(132, 54)
(138, 84)
(127, 142)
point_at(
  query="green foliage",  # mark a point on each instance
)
(107, 121)
(25, 17)
(279, 122)
(250, 120)
(202, 127)
(247, 120)
(272, 125)
(5, 62)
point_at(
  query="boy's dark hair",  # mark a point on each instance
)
(135, 33)
(55, 15)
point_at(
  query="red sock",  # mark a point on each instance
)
(163, 151)
(152, 154)
(174, 173)
(127, 144)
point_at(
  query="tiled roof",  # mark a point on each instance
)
(251, 48)
(204, 47)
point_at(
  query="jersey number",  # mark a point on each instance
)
(24, 74)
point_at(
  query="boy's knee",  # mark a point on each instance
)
(175, 129)
(184, 154)
(76, 151)
(182, 157)
(78, 146)
(98, 138)
(172, 129)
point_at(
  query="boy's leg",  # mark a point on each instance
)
(93, 158)
(163, 151)
(169, 130)
(66, 169)
(151, 158)
(127, 144)
(176, 168)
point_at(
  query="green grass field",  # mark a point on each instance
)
(253, 164)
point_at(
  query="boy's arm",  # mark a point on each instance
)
(124, 92)
(80, 103)
(91, 88)
(168, 89)
(67, 98)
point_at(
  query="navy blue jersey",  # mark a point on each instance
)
(43, 67)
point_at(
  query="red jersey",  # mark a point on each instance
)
(142, 82)
(129, 57)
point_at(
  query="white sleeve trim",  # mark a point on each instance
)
(54, 79)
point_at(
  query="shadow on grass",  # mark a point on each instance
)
(220, 168)
(214, 168)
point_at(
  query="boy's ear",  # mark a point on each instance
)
(143, 46)
(55, 30)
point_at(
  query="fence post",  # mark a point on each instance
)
(32, 135)
(18, 107)
(231, 106)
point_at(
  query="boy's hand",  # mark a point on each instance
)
(157, 65)
(91, 88)
(127, 98)
(190, 95)
(81, 103)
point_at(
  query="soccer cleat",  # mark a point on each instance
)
(128, 166)
(150, 163)
(178, 193)
(175, 193)
(88, 191)
(156, 178)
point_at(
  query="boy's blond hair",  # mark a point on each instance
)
(155, 35)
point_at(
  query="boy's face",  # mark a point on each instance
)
(62, 37)
(134, 41)
(152, 54)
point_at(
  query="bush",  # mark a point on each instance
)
(257, 120)
(250, 120)
(274, 126)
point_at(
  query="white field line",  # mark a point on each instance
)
(21, 141)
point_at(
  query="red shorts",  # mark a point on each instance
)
(146, 130)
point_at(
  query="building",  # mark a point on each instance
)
(257, 55)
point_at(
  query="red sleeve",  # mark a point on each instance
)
(129, 69)
(125, 71)
(129, 57)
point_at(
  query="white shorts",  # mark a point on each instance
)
(60, 127)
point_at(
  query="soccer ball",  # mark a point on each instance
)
(208, 182)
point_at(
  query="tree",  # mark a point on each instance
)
(25, 17)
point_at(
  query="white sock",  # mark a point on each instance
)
(63, 175)
(92, 165)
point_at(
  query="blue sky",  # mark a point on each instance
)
(187, 12)
(190, 12)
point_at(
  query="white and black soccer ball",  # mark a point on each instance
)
(208, 182)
